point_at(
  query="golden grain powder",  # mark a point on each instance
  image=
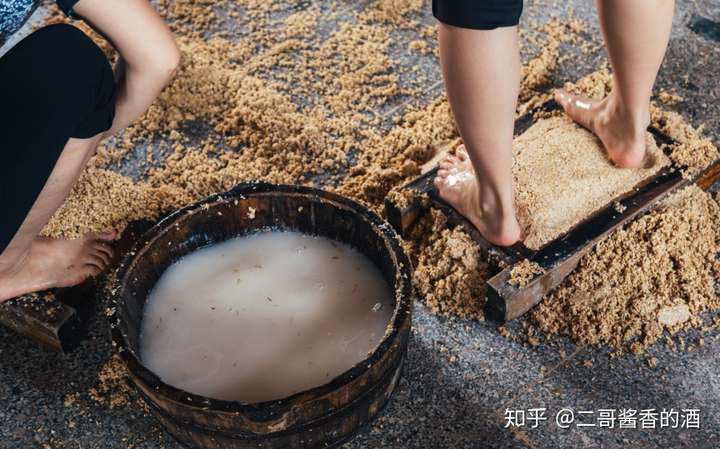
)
(692, 152)
(524, 272)
(103, 200)
(450, 271)
(111, 389)
(562, 175)
(660, 273)
(669, 98)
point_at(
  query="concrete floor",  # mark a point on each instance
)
(440, 403)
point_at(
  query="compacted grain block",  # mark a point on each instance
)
(562, 176)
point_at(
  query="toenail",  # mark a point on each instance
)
(582, 104)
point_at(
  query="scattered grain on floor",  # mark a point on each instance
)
(281, 97)
(658, 274)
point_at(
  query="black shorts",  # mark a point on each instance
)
(54, 84)
(478, 14)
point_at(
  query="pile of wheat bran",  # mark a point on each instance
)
(103, 200)
(659, 273)
(524, 272)
(450, 271)
(111, 389)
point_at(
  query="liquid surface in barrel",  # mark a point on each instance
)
(262, 317)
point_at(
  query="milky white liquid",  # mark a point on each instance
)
(262, 317)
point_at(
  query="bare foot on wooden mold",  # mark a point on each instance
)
(622, 134)
(458, 186)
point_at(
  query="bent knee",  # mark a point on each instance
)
(165, 61)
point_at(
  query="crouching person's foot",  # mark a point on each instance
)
(54, 263)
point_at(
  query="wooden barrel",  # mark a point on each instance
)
(322, 417)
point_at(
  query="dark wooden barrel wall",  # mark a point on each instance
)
(322, 417)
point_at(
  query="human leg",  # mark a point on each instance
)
(57, 91)
(636, 33)
(481, 69)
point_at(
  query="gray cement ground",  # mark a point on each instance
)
(460, 376)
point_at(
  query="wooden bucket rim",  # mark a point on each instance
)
(269, 409)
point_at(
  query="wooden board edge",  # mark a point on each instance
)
(506, 302)
(62, 334)
(709, 176)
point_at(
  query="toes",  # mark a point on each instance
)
(439, 182)
(563, 98)
(576, 107)
(442, 173)
(448, 167)
(102, 256)
(462, 153)
(108, 236)
(105, 248)
(449, 159)
(96, 261)
(445, 165)
(81, 274)
(92, 271)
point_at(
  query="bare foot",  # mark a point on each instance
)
(622, 134)
(458, 186)
(52, 263)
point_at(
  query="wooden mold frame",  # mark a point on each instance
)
(558, 257)
(58, 319)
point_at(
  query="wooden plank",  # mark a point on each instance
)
(440, 151)
(403, 216)
(507, 302)
(709, 176)
(42, 317)
(507, 254)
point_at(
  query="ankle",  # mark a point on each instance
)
(9, 266)
(633, 117)
(493, 204)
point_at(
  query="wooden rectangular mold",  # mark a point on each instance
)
(558, 257)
